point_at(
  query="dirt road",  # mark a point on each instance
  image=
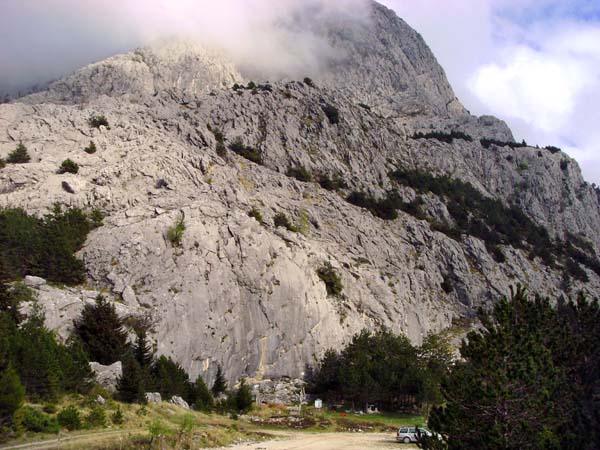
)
(328, 441)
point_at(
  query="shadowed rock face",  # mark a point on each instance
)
(248, 295)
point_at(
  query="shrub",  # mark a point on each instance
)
(332, 184)
(175, 233)
(245, 151)
(20, 155)
(564, 164)
(68, 166)
(447, 285)
(300, 173)
(90, 149)
(96, 417)
(117, 417)
(130, 385)
(70, 418)
(443, 137)
(332, 114)
(281, 220)
(309, 82)
(487, 143)
(97, 121)
(2, 163)
(333, 282)
(552, 149)
(35, 420)
(221, 150)
(251, 85)
(385, 209)
(255, 213)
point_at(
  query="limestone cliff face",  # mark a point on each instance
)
(246, 294)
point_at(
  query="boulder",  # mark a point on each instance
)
(107, 376)
(179, 402)
(31, 281)
(153, 397)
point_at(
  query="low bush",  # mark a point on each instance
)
(70, 418)
(19, 155)
(245, 151)
(255, 213)
(552, 149)
(300, 173)
(281, 220)
(35, 420)
(309, 82)
(97, 121)
(175, 233)
(332, 113)
(96, 418)
(68, 166)
(385, 208)
(334, 183)
(332, 280)
(443, 136)
(117, 417)
(487, 143)
(90, 149)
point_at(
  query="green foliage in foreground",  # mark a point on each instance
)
(44, 246)
(529, 379)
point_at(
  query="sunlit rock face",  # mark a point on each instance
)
(247, 295)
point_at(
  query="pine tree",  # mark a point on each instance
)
(19, 155)
(36, 359)
(101, 332)
(220, 384)
(130, 386)
(142, 350)
(12, 393)
(528, 378)
(203, 397)
(77, 376)
(169, 378)
(243, 397)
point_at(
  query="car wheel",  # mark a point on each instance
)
(406, 440)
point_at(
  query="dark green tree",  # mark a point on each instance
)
(220, 384)
(12, 394)
(202, 396)
(18, 155)
(243, 397)
(101, 332)
(130, 386)
(529, 379)
(35, 356)
(169, 378)
(142, 349)
(77, 376)
(326, 381)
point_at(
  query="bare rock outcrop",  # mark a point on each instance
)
(245, 293)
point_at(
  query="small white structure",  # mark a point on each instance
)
(318, 403)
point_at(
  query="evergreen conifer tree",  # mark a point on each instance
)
(12, 393)
(142, 350)
(19, 155)
(130, 386)
(220, 384)
(101, 332)
(203, 397)
(170, 379)
(243, 397)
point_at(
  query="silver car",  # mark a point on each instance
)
(409, 434)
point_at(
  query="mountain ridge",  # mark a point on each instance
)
(246, 294)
